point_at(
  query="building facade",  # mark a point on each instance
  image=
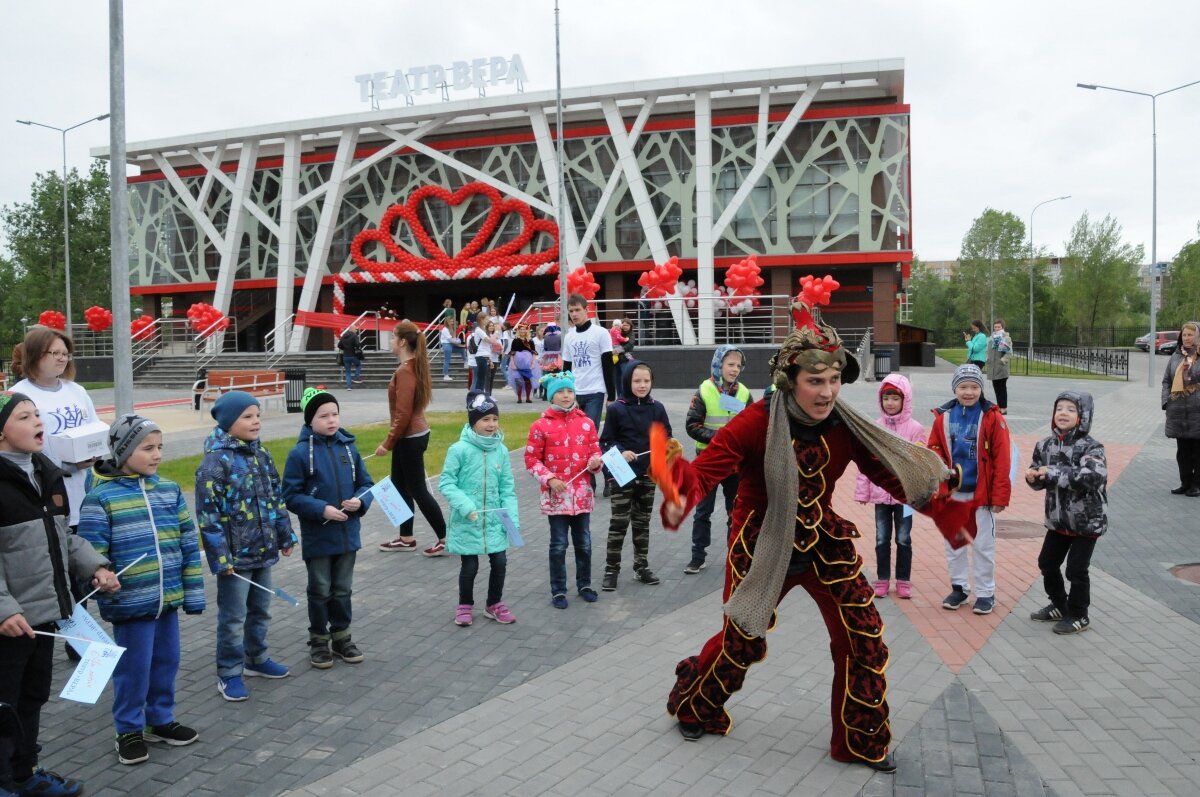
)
(807, 168)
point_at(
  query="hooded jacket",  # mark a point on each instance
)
(126, 516)
(239, 504)
(698, 411)
(38, 557)
(1076, 480)
(323, 471)
(627, 424)
(478, 477)
(993, 455)
(902, 424)
(559, 447)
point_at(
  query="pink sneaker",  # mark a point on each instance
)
(903, 589)
(500, 613)
(881, 588)
(462, 615)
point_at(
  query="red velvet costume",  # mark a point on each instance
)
(859, 707)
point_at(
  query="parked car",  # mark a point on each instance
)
(1165, 342)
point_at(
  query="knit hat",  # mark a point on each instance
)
(126, 435)
(229, 407)
(312, 400)
(9, 400)
(967, 372)
(556, 382)
(480, 405)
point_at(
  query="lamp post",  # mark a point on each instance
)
(66, 208)
(1153, 207)
(1032, 261)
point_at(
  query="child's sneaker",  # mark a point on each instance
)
(437, 549)
(392, 546)
(956, 598)
(500, 613)
(347, 651)
(694, 567)
(319, 655)
(172, 733)
(131, 748)
(1071, 625)
(983, 605)
(50, 784)
(233, 688)
(462, 615)
(589, 595)
(1046, 614)
(903, 589)
(559, 601)
(881, 588)
(266, 669)
(646, 576)
(610, 581)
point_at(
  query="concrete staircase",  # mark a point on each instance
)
(320, 368)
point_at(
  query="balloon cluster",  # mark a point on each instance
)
(690, 294)
(98, 319)
(141, 328)
(53, 319)
(660, 281)
(580, 281)
(816, 292)
(205, 318)
(742, 282)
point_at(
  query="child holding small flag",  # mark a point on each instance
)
(326, 484)
(131, 513)
(477, 480)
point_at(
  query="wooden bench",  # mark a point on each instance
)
(263, 385)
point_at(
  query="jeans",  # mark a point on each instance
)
(983, 557)
(592, 405)
(330, 582)
(408, 474)
(702, 520)
(1077, 552)
(483, 374)
(352, 367)
(243, 613)
(470, 568)
(579, 527)
(26, 667)
(447, 356)
(144, 681)
(888, 516)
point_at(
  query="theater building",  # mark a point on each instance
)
(805, 167)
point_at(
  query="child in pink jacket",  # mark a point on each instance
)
(562, 445)
(895, 400)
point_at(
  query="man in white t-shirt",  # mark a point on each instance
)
(587, 352)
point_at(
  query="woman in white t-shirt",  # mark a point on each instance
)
(62, 404)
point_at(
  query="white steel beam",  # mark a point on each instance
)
(231, 245)
(195, 207)
(285, 279)
(705, 261)
(568, 241)
(214, 169)
(613, 181)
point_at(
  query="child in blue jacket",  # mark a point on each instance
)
(131, 512)
(477, 480)
(325, 483)
(245, 526)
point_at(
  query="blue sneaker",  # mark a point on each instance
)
(233, 688)
(266, 669)
(588, 594)
(48, 784)
(983, 605)
(956, 598)
(559, 601)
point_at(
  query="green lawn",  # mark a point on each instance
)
(1017, 366)
(95, 385)
(444, 428)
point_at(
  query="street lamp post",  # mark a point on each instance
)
(66, 208)
(1153, 207)
(1032, 261)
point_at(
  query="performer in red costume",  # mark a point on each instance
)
(790, 450)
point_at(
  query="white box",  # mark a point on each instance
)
(88, 441)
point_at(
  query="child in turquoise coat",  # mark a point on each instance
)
(477, 480)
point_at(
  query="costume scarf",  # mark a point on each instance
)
(919, 470)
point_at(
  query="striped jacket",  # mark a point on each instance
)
(124, 517)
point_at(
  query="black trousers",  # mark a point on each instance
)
(26, 667)
(1187, 457)
(470, 569)
(1077, 552)
(408, 474)
(1001, 388)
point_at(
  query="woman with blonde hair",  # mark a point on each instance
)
(1181, 403)
(409, 393)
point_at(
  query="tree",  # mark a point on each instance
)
(1099, 274)
(1181, 297)
(933, 304)
(33, 232)
(992, 275)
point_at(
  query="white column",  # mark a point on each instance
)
(231, 244)
(705, 262)
(568, 240)
(289, 179)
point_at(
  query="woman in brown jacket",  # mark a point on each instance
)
(408, 395)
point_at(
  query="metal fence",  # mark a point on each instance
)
(1049, 360)
(1103, 337)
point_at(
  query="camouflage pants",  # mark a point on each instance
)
(633, 501)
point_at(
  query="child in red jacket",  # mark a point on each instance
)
(562, 445)
(970, 435)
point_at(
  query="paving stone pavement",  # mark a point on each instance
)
(572, 702)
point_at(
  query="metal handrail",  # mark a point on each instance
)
(273, 356)
(211, 345)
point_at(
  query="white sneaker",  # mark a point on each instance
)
(447, 379)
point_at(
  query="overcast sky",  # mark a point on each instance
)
(997, 120)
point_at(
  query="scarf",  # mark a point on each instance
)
(919, 470)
